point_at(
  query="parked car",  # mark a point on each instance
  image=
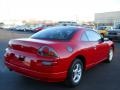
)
(6, 26)
(39, 28)
(58, 54)
(114, 34)
(20, 28)
(26, 28)
(67, 23)
(103, 30)
(12, 28)
(32, 27)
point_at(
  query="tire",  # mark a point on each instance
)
(74, 74)
(110, 56)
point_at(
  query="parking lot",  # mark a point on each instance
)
(102, 77)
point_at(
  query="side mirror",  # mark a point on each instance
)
(101, 40)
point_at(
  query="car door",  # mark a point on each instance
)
(100, 47)
(89, 51)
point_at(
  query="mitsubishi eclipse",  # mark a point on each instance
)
(58, 54)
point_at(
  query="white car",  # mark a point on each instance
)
(20, 28)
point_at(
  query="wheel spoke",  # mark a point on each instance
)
(77, 66)
(75, 70)
(79, 71)
(74, 78)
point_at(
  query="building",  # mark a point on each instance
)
(107, 18)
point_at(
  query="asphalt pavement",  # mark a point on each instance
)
(101, 77)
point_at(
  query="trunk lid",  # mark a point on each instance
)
(28, 45)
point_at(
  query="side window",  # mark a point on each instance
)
(84, 37)
(93, 36)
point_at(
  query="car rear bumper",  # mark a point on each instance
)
(47, 77)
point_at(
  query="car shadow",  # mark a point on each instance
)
(39, 85)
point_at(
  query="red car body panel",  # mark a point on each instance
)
(30, 63)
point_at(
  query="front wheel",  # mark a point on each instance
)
(75, 73)
(110, 55)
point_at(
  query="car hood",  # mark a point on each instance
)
(115, 30)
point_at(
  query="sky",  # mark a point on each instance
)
(55, 10)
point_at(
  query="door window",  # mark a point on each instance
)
(84, 37)
(92, 35)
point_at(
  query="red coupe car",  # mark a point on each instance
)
(58, 54)
(38, 29)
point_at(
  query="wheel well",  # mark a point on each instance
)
(82, 58)
(112, 47)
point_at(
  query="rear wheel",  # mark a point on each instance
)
(75, 73)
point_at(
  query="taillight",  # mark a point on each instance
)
(47, 51)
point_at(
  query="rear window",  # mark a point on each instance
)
(55, 33)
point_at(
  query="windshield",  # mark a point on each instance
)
(55, 33)
(101, 28)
